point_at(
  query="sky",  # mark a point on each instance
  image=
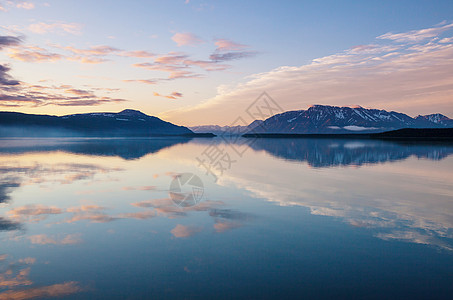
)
(204, 62)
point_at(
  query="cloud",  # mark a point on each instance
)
(7, 41)
(142, 215)
(33, 212)
(174, 95)
(8, 225)
(137, 54)
(39, 95)
(139, 188)
(218, 57)
(58, 27)
(91, 213)
(17, 274)
(208, 65)
(34, 54)
(186, 39)
(145, 81)
(94, 50)
(25, 5)
(56, 290)
(173, 64)
(179, 65)
(222, 226)
(181, 231)
(415, 36)
(5, 78)
(227, 45)
(85, 208)
(43, 239)
(415, 237)
(411, 78)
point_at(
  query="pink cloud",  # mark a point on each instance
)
(137, 54)
(33, 54)
(173, 95)
(227, 45)
(58, 27)
(184, 231)
(186, 39)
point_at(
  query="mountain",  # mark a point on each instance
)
(125, 123)
(436, 119)
(333, 119)
(219, 130)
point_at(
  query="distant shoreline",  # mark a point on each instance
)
(415, 134)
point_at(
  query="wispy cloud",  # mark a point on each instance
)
(218, 57)
(33, 212)
(137, 54)
(174, 95)
(57, 27)
(99, 50)
(25, 5)
(186, 39)
(40, 95)
(412, 78)
(415, 36)
(145, 81)
(43, 239)
(33, 54)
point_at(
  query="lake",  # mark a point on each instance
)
(168, 218)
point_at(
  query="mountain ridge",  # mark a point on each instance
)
(326, 119)
(128, 122)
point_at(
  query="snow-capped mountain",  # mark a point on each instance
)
(334, 119)
(436, 119)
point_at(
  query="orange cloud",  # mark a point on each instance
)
(173, 95)
(56, 290)
(34, 54)
(145, 81)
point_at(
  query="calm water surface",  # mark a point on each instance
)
(302, 218)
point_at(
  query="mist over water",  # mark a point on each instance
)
(293, 218)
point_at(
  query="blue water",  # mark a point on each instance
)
(282, 219)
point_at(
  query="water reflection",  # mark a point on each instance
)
(341, 152)
(68, 205)
(127, 148)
